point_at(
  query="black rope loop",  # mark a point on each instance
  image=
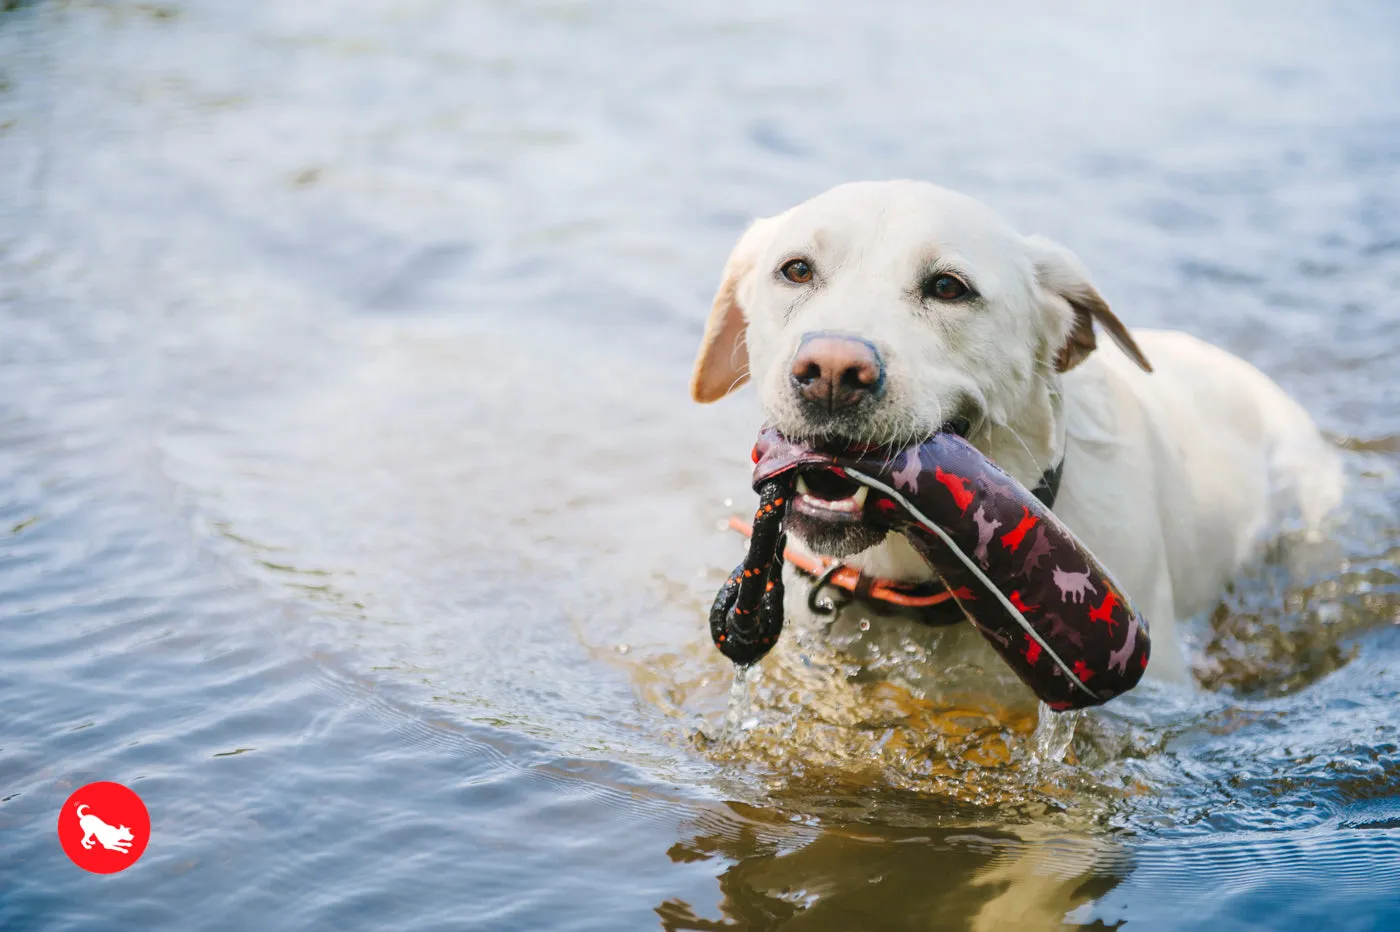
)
(747, 615)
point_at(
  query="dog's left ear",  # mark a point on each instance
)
(1062, 276)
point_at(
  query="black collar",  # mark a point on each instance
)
(1049, 485)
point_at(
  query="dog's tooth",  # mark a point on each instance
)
(802, 486)
(860, 496)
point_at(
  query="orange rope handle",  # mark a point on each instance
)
(847, 577)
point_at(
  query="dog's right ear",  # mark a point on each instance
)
(1063, 277)
(722, 364)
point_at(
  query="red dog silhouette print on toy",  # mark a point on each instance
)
(1015, 599)
(1104, 612)
(1012, 540)
(955, 484)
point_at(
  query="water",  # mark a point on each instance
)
(353, 512)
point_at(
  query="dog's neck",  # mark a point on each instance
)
(1032, 441)
(1025, 445)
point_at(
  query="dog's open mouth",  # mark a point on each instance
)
(828, 510)
(827, 495)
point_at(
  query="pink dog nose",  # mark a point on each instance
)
(834, 371)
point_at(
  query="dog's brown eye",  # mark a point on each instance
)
(945, 288)
(797, 271)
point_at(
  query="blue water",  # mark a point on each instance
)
(352, 510)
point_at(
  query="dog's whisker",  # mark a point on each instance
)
(1035, 461)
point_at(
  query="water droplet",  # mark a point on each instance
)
(623, 648)
(865, 624)
(729, 503)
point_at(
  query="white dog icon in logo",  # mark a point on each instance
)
(111, 837)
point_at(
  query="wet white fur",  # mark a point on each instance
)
(1172, 478)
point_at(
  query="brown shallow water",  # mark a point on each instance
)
(352, 509)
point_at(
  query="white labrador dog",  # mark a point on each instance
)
(884, 311)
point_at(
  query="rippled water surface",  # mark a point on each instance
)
(352, 509)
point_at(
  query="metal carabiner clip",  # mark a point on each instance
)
(828, 606)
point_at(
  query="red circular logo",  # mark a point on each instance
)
(104, 827)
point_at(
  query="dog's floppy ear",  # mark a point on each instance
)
(1061, 274)
(723, 362)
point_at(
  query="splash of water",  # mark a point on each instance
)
(739, 715)
(1053, 733)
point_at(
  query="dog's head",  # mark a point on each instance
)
(883, 312)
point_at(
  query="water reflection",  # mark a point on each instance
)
(870, 874)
